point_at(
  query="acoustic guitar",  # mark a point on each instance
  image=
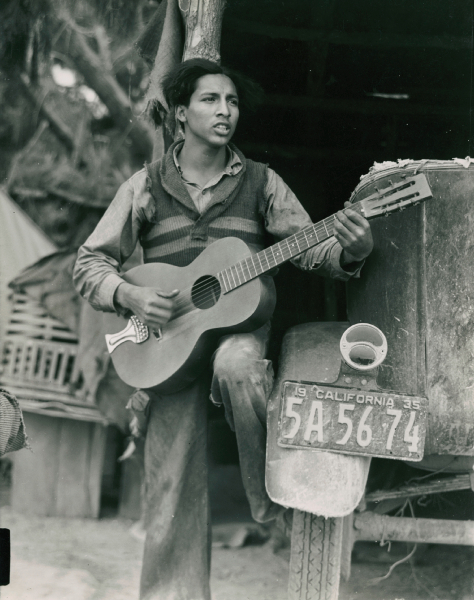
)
(221, 292)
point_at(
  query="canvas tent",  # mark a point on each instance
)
(21, 243)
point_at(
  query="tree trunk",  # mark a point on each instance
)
(89, 64)
(203, 21)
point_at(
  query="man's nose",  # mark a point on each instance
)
(223, 108)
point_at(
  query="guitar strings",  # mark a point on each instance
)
(208, 286)
(286, 252)
(206, 290)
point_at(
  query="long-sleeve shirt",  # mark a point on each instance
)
(96, 274)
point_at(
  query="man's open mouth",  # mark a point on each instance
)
(222, 128)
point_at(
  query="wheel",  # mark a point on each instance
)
(315, 563)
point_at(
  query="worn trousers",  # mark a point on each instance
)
(176, 561)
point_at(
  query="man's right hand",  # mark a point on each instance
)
(153, 307)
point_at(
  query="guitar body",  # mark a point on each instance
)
(172, 359)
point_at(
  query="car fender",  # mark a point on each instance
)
(323, 483)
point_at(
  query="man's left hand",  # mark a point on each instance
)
(354, 234)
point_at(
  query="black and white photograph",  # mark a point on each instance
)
(237, 300)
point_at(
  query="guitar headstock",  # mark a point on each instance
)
(396, 196)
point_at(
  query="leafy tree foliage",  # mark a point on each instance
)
(72, 87)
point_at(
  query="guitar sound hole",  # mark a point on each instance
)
(205, 292)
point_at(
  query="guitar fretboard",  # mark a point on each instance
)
(266, 260)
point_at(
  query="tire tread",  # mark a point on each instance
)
(315, 563)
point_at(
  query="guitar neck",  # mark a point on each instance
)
(264, 261)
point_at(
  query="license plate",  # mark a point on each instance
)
(367, 422)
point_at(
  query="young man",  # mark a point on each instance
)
(203, 189)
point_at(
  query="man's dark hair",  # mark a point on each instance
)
(180, 83)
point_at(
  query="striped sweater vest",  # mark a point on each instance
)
(177, 233)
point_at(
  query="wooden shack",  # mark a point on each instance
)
(61, 476)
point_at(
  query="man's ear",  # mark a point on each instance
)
(181, 113)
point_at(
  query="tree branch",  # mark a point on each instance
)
(13, 168)
(90, 65)
(60, 129)
(104, 47)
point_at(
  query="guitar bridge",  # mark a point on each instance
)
(135, 331)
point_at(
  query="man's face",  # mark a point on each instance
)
(213, 111)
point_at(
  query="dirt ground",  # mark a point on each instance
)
(77, 559)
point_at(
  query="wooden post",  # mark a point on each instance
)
(372, 527)
(203, 22)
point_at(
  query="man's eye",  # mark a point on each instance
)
(209, 99)
(234, 102)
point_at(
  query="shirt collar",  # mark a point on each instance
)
(233, 166)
